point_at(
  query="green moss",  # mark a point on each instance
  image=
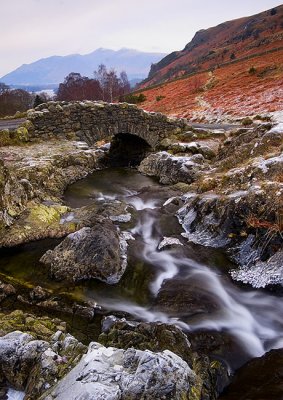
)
(12, 212)
(5, 139)
(40, 327)
(46, 215)
(183, 187)
(195, 393)
(246, 121)
(22, 134)
(71, 136)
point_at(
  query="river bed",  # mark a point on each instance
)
(186, 285)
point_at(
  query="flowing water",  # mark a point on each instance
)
(185, 285)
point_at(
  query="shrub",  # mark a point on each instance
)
(265, 118)
(273, 11)
(133, 99)
(232, 56)
(246, 121)
(160, 97)
(252, 70)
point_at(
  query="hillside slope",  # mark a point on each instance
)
(52, 70)
(221, 44)
(218, 85)
(251, 87)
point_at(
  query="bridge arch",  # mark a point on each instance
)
(127, 149)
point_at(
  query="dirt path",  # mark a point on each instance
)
(10, 123)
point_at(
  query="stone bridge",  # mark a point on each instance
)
(92, 121)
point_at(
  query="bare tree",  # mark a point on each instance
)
(15, 100)
(77, 87)
(125, 84)
(111, 85)
(101, 76)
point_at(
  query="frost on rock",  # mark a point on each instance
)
(123, 240)
(15, 395)
(262, 273)
(277, 128)
(110, 373)
(121, 218)
(168, 242)
(172, 169)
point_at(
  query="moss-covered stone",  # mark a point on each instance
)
(39, 327)
(47, 215)
(22, 134)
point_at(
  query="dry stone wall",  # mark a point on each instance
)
(93, 121)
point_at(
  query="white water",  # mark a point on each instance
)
(253, 318)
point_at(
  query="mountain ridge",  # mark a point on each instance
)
(226, 41)
(53, 69)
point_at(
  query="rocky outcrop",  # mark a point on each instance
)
(245, 224)
(32, 183)
(210, 375)
(91, 252)
(236, 204)
(34, 365)
(172, 169)
(35, 352)
(110, 373)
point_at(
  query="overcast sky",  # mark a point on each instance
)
(34, 29)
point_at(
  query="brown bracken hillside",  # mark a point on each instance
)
(235, 68)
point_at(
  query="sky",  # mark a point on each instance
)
(34, 29)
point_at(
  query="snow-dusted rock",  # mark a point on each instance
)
(112, 374)
(168, 242)
(172, 169)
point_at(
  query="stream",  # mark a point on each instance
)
(186, 285)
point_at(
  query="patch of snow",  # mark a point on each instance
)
(169, 201)
(239, 193)
(169, 241)
(121, 217)
(105, 146)
(81, 145)
(124, 237)
(265, 164)
(67, 218)
(15, 394)
(277, 128)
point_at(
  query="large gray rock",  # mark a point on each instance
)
(115, 374)
(172, 169)
(88, 253)
(18, 352)
(35, 365)
(211, 375)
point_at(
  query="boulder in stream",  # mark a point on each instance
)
(91, 252)
(172, 169)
